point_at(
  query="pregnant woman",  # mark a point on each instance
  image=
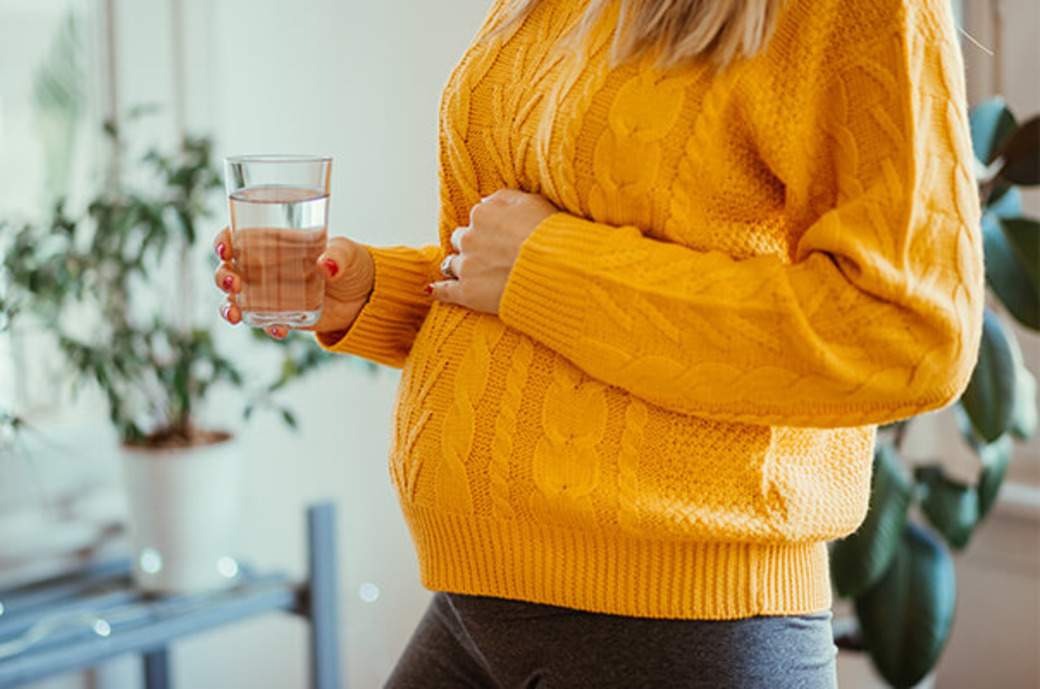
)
(690, 254)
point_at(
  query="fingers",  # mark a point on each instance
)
(231, 282)
(445, 290)
(227, 279)
(451, 266)
(230, 312)
(277, 332)
(222, 245)
(458, 237)
(337, 258)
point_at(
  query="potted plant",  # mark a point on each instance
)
(897, 568)
(104, 283)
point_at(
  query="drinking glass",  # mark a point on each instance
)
(279, 206)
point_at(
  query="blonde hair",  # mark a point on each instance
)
(681, 30)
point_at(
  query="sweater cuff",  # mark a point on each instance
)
(387, 325)
(545, 297)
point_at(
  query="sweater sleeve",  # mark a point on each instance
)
(874, 315)
(386, 327)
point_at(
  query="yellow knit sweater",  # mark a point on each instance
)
(675, 408)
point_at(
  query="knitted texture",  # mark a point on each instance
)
(676, 406)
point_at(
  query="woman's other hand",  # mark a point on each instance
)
(477, 273)
(349, 274)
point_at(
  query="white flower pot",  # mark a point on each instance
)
(183, 514)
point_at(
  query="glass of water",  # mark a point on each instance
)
(279, 206)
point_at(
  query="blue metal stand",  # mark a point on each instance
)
(157, 668)
(322, 604)
(80, 620)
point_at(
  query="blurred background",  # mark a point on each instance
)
(359, 81)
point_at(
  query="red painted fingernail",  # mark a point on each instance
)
(428, 290)
(332, 267)
(221, 250)
(228, 281)
(225, 311)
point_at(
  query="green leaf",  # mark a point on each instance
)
(1024, 420)
(1007, 276)
(1021, 153)
(905, 620)
(995, 458)
(951, 507)
(1001, 189)
(1023, 235)
(989, 399)
(991, 123)
(143, 110)
(859, 560)
(290, 418)
(187, 226)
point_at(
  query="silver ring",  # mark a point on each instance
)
(446, 270)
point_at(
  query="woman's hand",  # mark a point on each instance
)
(488, 248)
(349, 273)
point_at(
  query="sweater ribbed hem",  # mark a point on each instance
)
(386, 327)
(542, 298)
(616, 574)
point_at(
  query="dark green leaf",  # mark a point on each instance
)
(859, 560)
(290, 418)
(141, 111)
(989, 399)
(187, 226)
(906, 618)
(1001, 187)
(1007, 276)
(995, 459)
(1023, 235)
(288, 368)
(951, 507)
(991, 123)
(1021, 153)
(1024, 420)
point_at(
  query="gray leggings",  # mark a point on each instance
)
(478, 642)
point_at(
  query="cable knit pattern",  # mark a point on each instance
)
(457, 433)
(574, 419)
(505, 428)
(676, 406)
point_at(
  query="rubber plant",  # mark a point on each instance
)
(898, 568)
(80, 277)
